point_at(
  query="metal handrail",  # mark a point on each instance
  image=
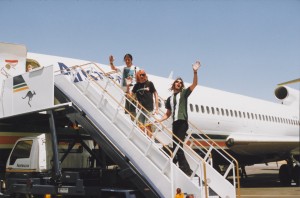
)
(160, 126)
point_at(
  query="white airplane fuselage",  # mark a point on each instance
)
(250, 127)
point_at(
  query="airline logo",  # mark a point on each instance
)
(81, 74)
(9, 64)
(19, 84)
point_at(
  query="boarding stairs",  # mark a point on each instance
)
(100, 98)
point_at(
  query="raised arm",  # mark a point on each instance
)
(196, 66)
(111, 63)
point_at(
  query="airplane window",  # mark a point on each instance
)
(244, 115)
(259, 116)
(207, 109)
(197, 108)
(227, 113)
(240, 114)
(218, 111)
(191, 107)
(272, 118)
(235, 113)
(212, 110)
(222, 111)
(231, 113)
(248, 115)
(202, 109)
(252, 116)
(256, 116)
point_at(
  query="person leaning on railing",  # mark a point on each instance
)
(145, 92)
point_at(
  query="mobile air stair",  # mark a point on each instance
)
(100, 101)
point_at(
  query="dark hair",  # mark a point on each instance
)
(173, 84)
(129, 56)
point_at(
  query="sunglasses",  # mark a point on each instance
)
(142, 74)
(178, 81)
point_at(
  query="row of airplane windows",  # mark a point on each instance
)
(235, 113)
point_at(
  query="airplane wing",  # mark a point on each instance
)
(250, 144)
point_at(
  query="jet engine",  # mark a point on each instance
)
(287, 95)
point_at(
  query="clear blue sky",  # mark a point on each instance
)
(246, 46)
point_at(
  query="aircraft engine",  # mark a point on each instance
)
(287, 95)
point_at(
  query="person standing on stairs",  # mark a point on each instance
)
(128, 77)
(145, 92)
(176, 106)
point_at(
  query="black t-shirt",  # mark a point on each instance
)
(144, 93)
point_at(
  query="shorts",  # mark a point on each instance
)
(142, 118)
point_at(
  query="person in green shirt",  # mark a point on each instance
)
(176, 106)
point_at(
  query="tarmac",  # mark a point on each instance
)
(262, 182)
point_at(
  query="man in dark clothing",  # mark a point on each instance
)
(144, 91)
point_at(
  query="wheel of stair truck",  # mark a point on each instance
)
(285, 175)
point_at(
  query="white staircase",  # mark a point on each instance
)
(102, 100)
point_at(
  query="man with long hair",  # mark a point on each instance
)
(176, 106)
(146, 96)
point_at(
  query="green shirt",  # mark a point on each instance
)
(177, 104)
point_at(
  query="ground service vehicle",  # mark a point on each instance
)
(32, 169)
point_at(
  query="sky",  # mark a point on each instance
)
(245, 46)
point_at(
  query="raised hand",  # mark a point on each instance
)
(111, 59)
(196, 65)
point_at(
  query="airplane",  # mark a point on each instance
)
(252, 130)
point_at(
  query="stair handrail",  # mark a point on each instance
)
(163, 127)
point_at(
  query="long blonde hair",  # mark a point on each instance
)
(138, 76)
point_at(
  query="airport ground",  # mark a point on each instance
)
(262, 182)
